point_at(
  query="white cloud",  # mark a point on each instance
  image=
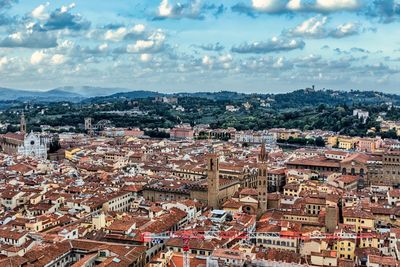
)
(103, 47)
(138, 28)
(65, 9)
(332, 5)
(116, 35)
(279, 63)
(311, 27)
(145, 57)
(122, 32)
(164, 9)
(37, 57)
(282, 6)
(40, 12)
(192, 9)
(346, 29)
(206, 60)
(295, 5)
(316, 27)
(225, 58)
(140, 45)
(3, 62)
(269, 5)
(16, 36)
(153, 44)
(30, 39)
(57, 59)
(275, 44)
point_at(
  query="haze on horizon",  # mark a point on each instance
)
(265, 46)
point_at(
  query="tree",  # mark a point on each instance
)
(319, 141)
(54, 145)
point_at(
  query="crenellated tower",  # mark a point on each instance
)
(262, 182)
(213, 180)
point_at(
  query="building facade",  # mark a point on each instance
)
(262, 182)
(34, 146)
(213, 180)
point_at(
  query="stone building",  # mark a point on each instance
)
(385, 170)
(28, 145)
(262, 181)
(391, 167)
(10, 142)
(212, 190)
(213, 180)
(34, 146)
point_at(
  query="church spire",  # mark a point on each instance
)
(23, 123)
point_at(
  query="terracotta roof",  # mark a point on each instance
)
(249, 192)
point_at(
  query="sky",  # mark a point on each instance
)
(259, 46)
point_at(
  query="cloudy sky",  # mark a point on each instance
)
(201, 45)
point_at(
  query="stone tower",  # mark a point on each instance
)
(88, 125)
(262, 179)
(213, 180)
(22, 123)
(331, 218)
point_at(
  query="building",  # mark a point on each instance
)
(262, 189)
(285, 134)
(369, 144)
(34, 146)
(23, 123)
(10, 142)
(255, 137)
(27, 145)
(276, 179)
(360, 220)
(321, 164)
(347, 143)
(355, 164)
(213, 180)
(181, 132)
(391, 167)
(89, 125)
(384, 169)
(361, 114)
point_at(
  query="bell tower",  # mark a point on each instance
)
(262, 180)
(213, 180)
(22, 126)
(88, 125)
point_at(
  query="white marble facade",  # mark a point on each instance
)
(34, 146)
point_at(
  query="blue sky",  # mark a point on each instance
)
(201, 45)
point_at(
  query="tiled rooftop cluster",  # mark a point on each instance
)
(140, 202)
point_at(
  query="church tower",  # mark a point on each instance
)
(213, 180)
(262, 179)
(88, 125)
(22, 126)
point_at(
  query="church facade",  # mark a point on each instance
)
(34, 146)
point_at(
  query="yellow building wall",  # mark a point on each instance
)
(345, 249)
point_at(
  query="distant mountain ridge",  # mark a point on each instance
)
(295, 99)
(7, 94)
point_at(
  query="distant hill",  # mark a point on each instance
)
(125, 95)
(295, 99)
(92, 91)
(222, 95)
(304, 98)
(55, 95)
